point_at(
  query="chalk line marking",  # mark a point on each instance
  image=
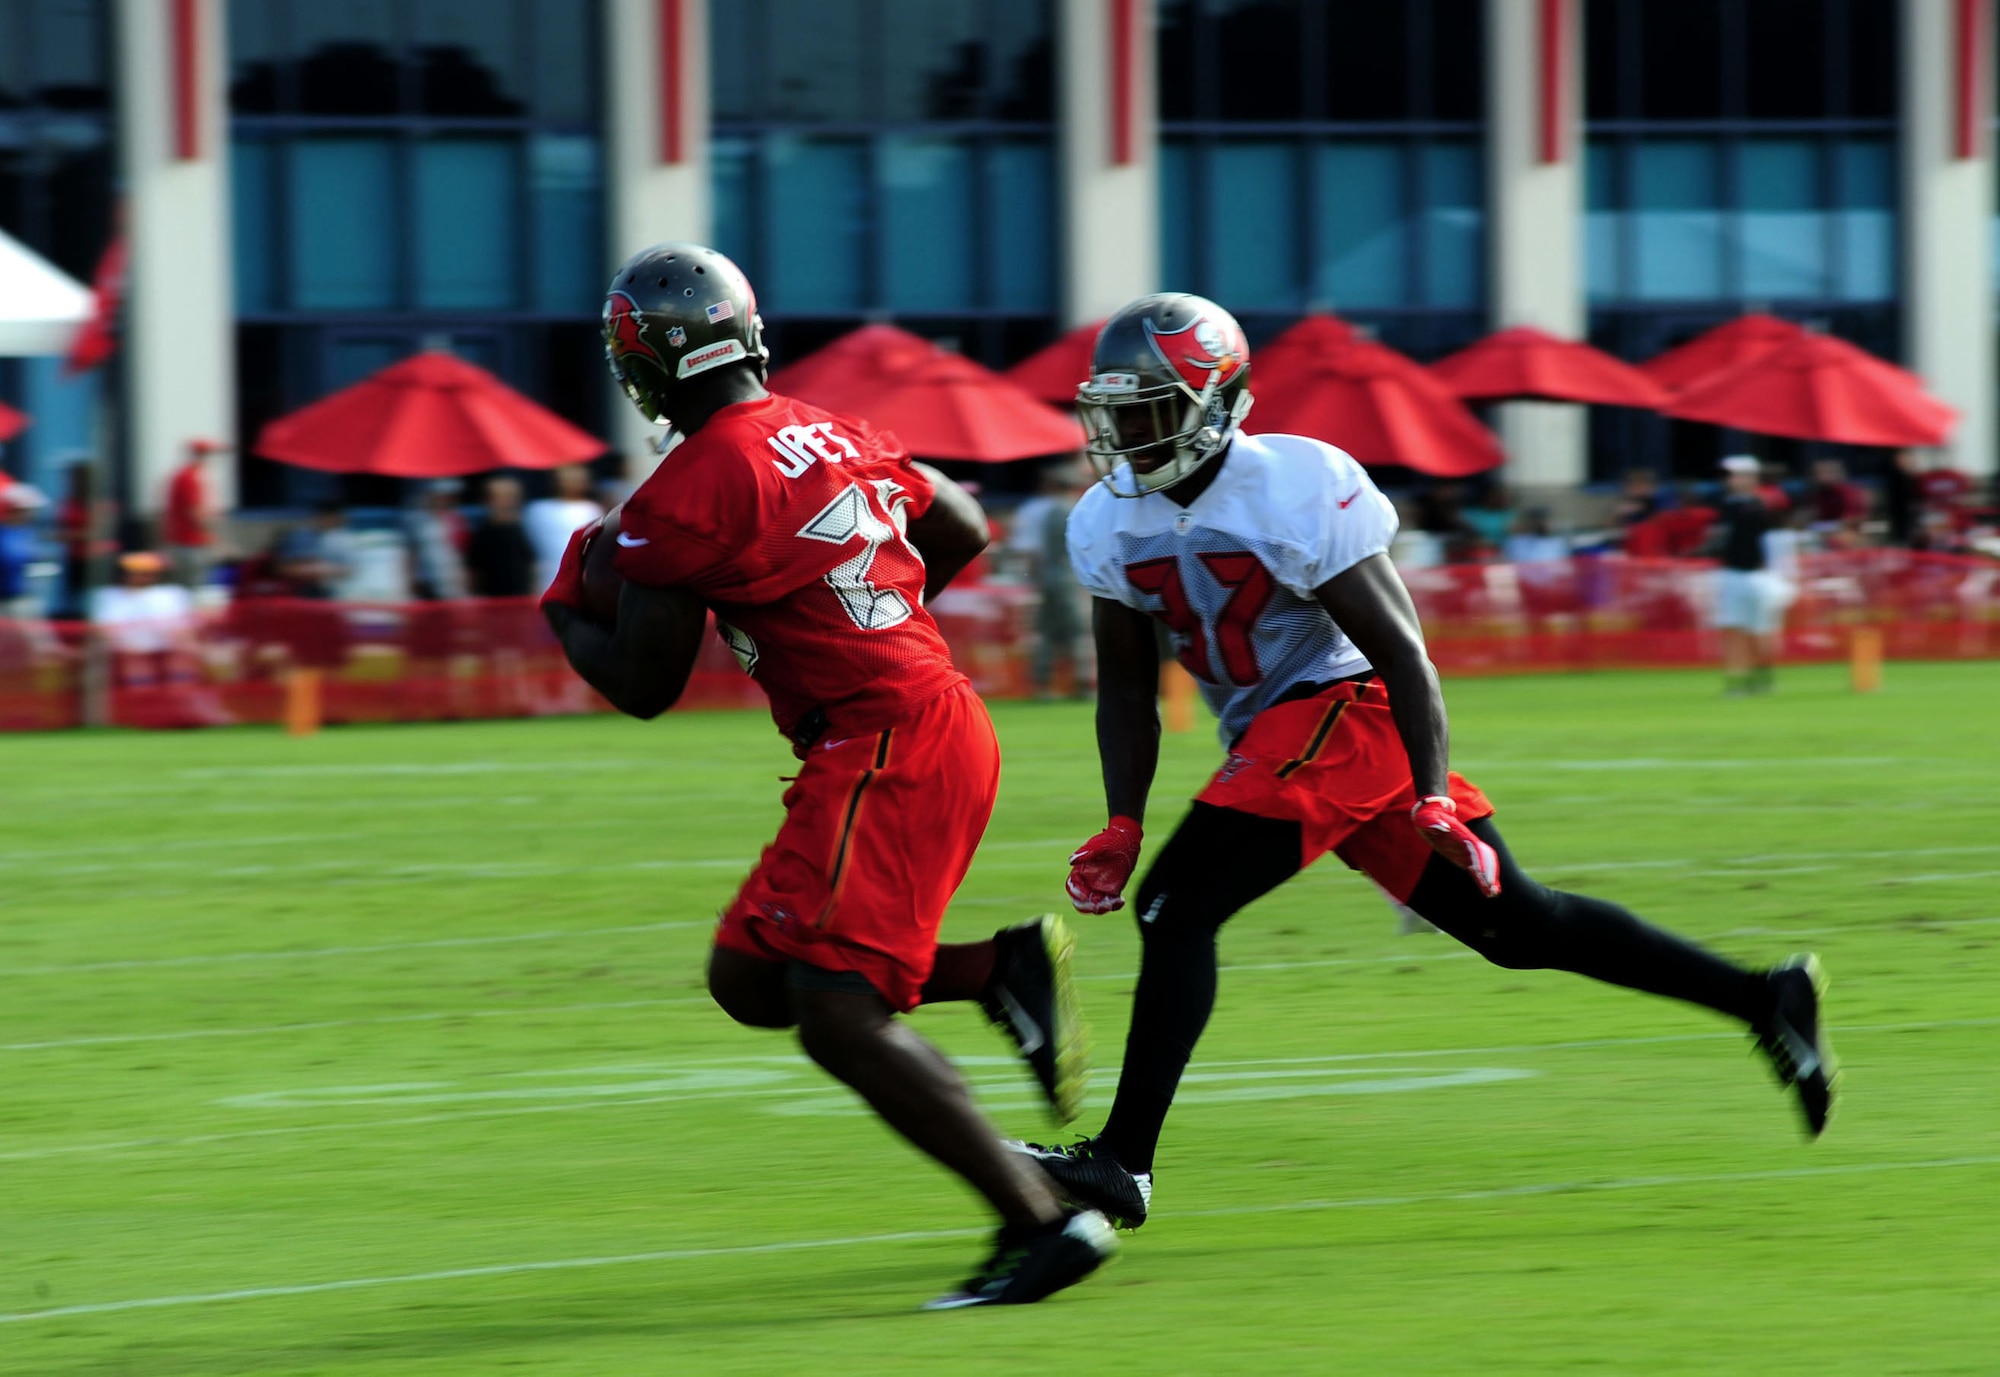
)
(321, 1025)
(317, 953)
(419, 1120)
(1524, 1190)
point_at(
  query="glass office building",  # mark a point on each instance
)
(402, 174)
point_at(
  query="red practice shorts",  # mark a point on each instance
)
(879, 830)
(1334, 764)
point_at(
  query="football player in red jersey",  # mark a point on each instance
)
(817, 543)
(1266, 556)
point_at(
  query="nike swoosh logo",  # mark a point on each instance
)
(1030, 1031)
(634, 542)
(1343, 502)
(838, 741)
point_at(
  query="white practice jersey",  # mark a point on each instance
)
(1232, 574)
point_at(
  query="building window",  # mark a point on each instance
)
(1324, 155)
(889, 157)
(56, 180)
(55, 139)
(1761, 60)
(409, 174)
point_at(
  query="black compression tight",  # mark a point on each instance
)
(1218, 861)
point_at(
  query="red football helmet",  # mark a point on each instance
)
(1168, 383)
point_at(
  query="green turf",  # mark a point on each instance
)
(395, 1002)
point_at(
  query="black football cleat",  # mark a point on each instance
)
(1029, 1264)
(1090, 1178)
(1798, 1047)
(1033, 999)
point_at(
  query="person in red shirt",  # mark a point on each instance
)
(188, 524)
(817, 543)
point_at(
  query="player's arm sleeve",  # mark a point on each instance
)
(1334, 521)
(658, 552)
(1092, 554)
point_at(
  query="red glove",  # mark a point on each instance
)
(1101, 866)
(1437, 818)
(568, 586)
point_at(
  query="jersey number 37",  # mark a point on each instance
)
(1247, 589)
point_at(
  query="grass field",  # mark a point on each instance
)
(386, 1052)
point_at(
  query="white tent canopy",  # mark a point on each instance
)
(40, 305)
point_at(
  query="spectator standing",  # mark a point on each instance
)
(1746, 612)
(499, 558)
(1533, 542)
(19, 545)
(1024, 536)
(81, 524)
(1059, 610)
(550, 521)
(436, 531)
(1902, 497)
(315, 558)
(1640, 499)
(1944, 517)
(1440, 514)
(190, 524)
(1837, 506)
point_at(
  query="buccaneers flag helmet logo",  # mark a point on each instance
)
(1200, 350)
(625, 329)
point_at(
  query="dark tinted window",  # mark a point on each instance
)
(255, 50)
(1458, 66)
(816, 61)
(1260, 44)
(1785, 70)
(1872, 63)
(1175, 54)
(466, 51)
(69, 54)
(1021, 62)
(52, 53)
(561, 42)
(1680, 45)
(733, 72)
(1367, 62)
(933, 59)
(1603, 69)
(348, 51)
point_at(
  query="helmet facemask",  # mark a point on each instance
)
(1123, 421)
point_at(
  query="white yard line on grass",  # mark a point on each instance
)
(322, 953)
(1524, 1190)
(62, 1150)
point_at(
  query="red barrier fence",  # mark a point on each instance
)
(476, 659)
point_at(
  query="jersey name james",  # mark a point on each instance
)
(1232, 574)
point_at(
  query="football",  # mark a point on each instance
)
(601, 581)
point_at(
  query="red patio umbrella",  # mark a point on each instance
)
(940, 404)
(430, 416)
(1054, 371)
(1739, 341)
(1820, 388)
(1320, 378)
(1533, 364)
(12, 423)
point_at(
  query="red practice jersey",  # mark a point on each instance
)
(788, 521)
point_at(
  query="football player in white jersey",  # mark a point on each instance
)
(1266, 556)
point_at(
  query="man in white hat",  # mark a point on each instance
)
(1746, 613)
